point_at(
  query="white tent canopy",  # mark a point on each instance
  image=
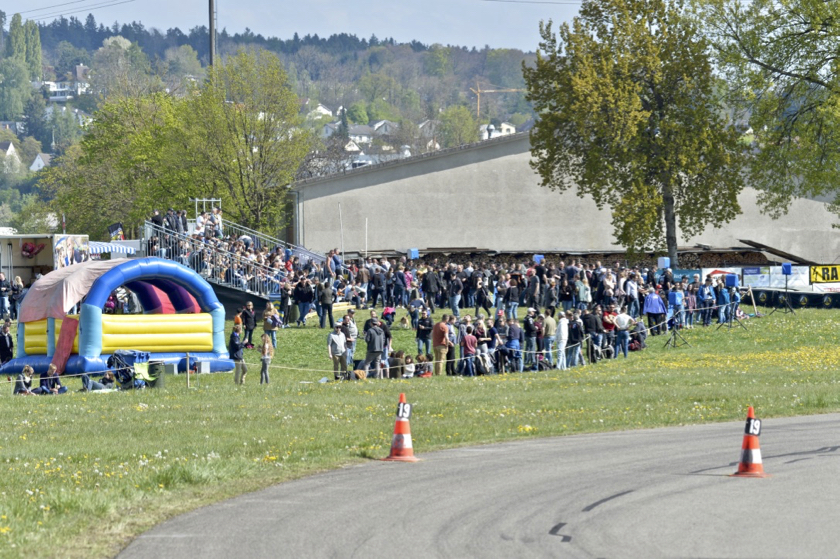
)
(98, 248)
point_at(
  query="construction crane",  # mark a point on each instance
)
(478, 91)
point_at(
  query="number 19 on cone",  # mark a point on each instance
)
(750, 464)
(401, 448)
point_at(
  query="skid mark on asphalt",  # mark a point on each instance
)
(556, 532)
(602, 501)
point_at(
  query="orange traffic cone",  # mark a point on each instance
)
(401, 448)
(750, 465)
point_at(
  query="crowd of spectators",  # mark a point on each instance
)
(576, 313)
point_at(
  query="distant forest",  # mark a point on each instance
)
(387, 79)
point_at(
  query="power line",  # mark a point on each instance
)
(53, 6)
(91, 8)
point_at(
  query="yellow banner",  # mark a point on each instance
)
(825, 274)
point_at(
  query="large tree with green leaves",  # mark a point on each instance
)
(782, 62)
(15, 88)
(628, 114)
(458, 127)
(246, 134)
(126, 164)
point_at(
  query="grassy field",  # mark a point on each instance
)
(84, 472)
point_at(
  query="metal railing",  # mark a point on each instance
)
(213, 260)
(260, 240)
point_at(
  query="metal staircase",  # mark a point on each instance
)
(216, 264)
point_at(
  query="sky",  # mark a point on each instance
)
(497, 23)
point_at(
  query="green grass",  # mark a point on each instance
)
(85, 473)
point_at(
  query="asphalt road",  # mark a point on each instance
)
(652, 493)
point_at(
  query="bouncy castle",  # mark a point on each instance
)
(181, 315)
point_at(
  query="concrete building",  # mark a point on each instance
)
(487, 196)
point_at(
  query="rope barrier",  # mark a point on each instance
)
(523, 352)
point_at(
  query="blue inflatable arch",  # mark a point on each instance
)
(182, 286)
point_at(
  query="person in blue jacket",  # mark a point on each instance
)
(655, 310)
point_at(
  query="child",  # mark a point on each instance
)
(266, 353)
(409, 367)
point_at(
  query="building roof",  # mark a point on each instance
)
(360, 130)
(5, 145)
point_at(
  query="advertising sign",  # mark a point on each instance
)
(757, 277)
(825, 274)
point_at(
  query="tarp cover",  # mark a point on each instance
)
(56, 293)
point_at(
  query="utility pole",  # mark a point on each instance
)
(212, 32)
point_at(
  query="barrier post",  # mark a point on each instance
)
(188, 371)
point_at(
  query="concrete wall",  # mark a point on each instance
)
(487, 196)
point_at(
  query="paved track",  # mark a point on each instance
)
(653, 493)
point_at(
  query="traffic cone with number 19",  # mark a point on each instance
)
(750, 464)
(401, 448)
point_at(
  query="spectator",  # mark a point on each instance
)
(624, 323)
(529, 330)
(375, 340)
(23, 382)
(549, 334)
(235, 349)
(562, 339)
(337, 349)
(7, 345)
(16, 296)
(271, 321)
(327, 298)
(469, 344)
(574, 353)
(249, 324)
(5, 291)
(514, 345)
(303, 296)
(352, 334)
(50, 383)
(655, 310)
(107, 382)
(456, 288)
(424, 332)
(440, 344)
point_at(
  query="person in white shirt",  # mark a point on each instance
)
(623, 324)
(337, 348)
(562, 338)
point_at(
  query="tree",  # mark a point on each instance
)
(120, 68)
(64, 128)
(29, 149)
(357, 113)
(33, 49)
(35, 118)
(436, 61)
(15, 88)
(343, 131)
(16, 39)
(780, 60)
(67, 57)
(628, 113)
(246, 135)
(458, 127)
(126, 164)
(182, 62)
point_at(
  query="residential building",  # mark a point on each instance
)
(41, 160)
